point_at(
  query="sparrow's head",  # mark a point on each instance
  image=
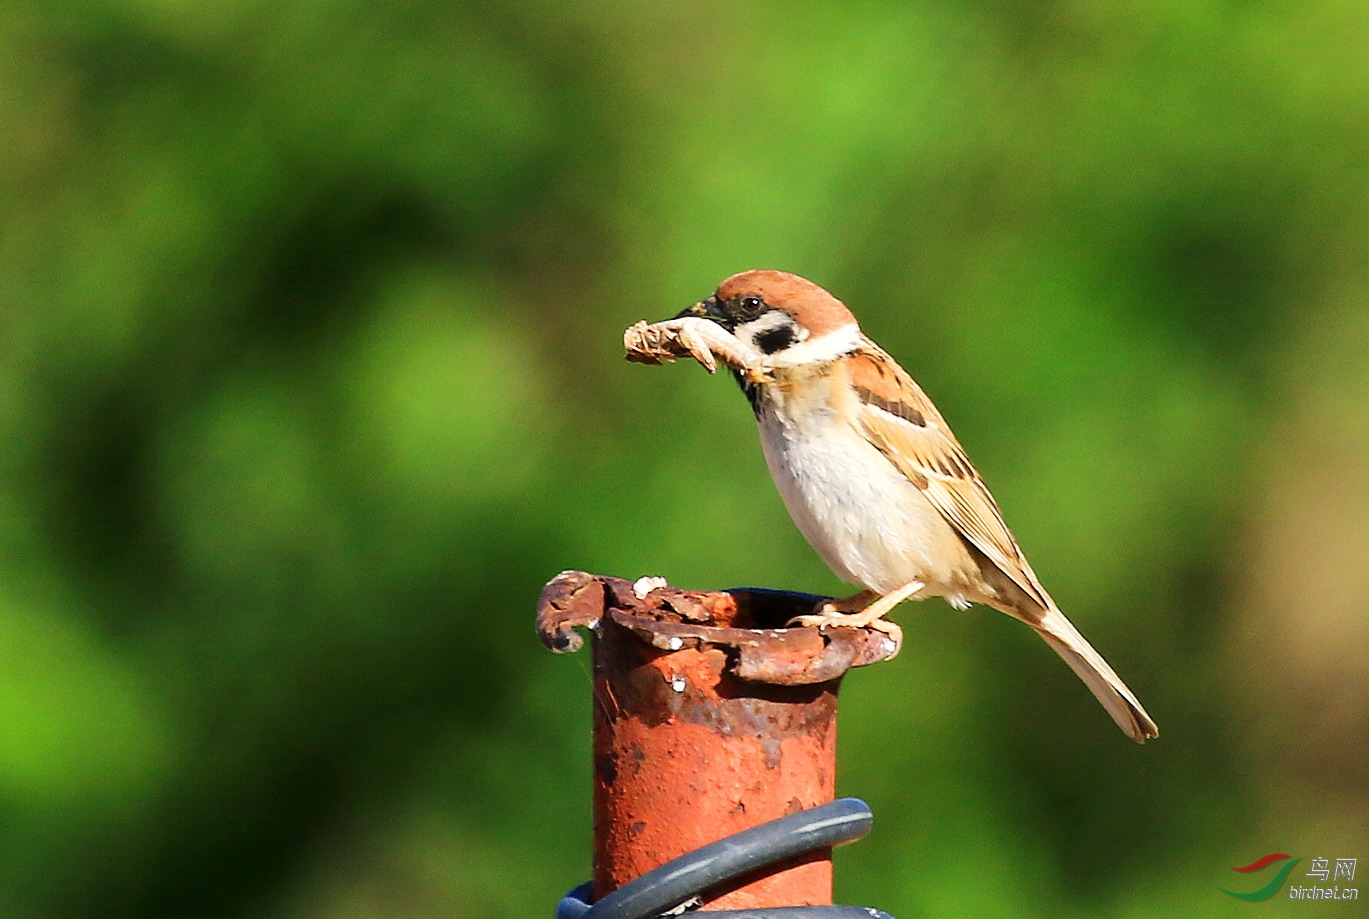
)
(773, 311)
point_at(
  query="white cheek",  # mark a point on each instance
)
(750, 331)
(820, 350)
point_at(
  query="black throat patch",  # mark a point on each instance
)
(749, 389)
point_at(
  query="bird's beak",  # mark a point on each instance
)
(704, 309)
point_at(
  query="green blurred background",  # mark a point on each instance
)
(311, 375)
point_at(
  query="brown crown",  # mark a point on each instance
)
(812, 306)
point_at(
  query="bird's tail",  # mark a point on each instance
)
(1101, 679)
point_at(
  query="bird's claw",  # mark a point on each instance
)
(829, 618)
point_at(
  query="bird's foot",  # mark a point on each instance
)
(832, 619)
(858, 612)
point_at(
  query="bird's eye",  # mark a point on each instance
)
(752, 304)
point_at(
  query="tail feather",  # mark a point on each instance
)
(1121, 703)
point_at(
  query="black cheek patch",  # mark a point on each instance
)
(776, 339)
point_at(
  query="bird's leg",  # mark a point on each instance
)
(852, 604)
(848, 614)
(857, 611)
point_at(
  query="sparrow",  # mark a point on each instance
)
(868, 468)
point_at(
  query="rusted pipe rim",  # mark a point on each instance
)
(747, 622)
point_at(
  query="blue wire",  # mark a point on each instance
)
(681, 879)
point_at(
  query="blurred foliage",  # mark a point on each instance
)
(310, 376)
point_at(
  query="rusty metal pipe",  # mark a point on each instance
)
(709, 718)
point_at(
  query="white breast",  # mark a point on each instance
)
(868, 523)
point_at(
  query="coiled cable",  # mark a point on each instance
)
(680, 880)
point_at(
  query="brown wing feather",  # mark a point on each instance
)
(930, 457)
(904, 425)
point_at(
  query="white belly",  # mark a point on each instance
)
(870, 525)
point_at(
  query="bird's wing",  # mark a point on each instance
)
(903, 424)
